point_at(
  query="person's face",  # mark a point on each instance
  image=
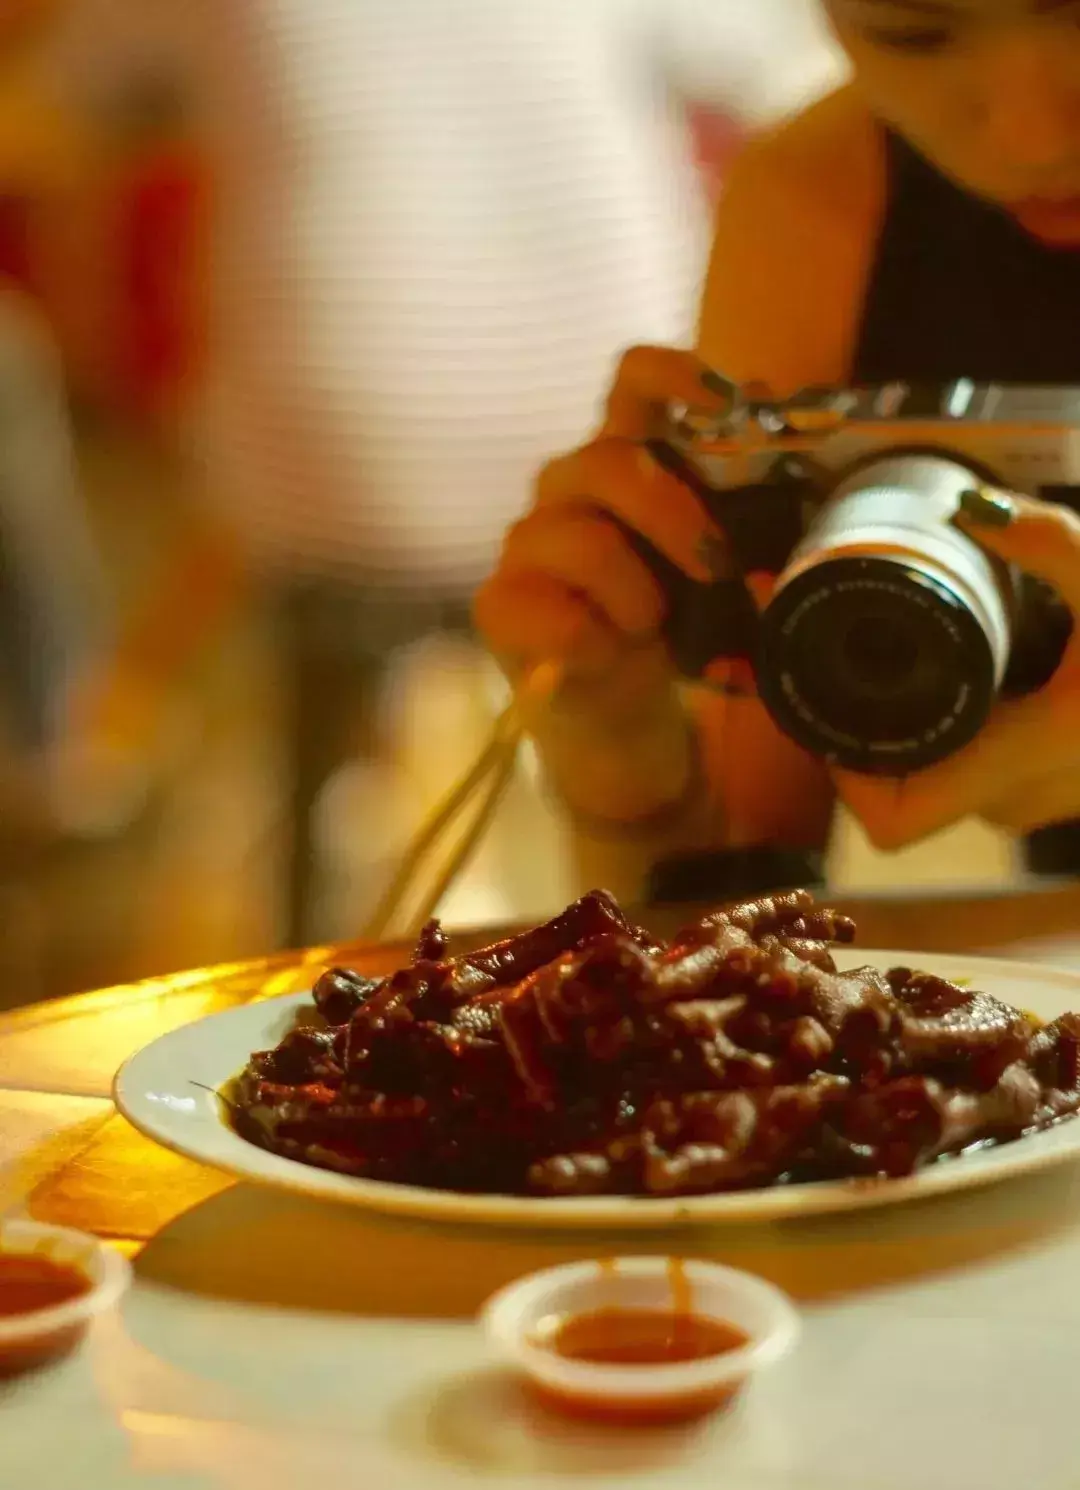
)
(989, 90)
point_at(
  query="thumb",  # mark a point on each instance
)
(1042, 538)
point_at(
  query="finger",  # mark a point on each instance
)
(624, 479)
(1049, 797)
(1021, 741)
(527, 618)
(648, 378)
(1041, 538)
(761, 587)
(592, 557)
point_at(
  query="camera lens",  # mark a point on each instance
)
(881, 657)
(886, 641)
(875, 665)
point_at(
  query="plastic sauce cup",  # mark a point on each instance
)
(29, 1340)
(522, 1320)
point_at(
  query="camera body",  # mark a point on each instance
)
(890, 633)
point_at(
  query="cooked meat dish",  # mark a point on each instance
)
(584, 1057)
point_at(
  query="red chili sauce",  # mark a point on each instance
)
(643, 1337)
(646, 1337)
(28, 1285)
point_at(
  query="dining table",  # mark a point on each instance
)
(274, 1342)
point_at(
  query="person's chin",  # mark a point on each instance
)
(1055, 223)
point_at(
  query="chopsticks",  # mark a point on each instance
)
(478, 792)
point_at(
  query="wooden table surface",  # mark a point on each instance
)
(69, 1158)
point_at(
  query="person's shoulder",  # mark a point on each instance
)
(794, 235)
(829, 159)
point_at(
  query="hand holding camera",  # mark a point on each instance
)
(570, 587)
(890, 633)
(1022, 770)
(892, 639)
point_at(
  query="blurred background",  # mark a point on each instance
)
(294, 297)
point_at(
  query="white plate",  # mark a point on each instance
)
(160, 1091)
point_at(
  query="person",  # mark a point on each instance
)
(922, 222)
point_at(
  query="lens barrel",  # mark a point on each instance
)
(887, 638)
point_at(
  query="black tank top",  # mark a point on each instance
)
(958, 289)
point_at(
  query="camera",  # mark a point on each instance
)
(890, 633)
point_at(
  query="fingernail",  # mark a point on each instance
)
(719, 386)
(987, 507)
(714, 552)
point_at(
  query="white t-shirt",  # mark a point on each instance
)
(442, 219)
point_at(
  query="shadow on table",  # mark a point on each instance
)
(256, 1246)
(487, 1423)
(252, 1247)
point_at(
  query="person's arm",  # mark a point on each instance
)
(781, 306)
(795, 233)
(794, 238)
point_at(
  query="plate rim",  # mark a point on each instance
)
(627, 1212)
